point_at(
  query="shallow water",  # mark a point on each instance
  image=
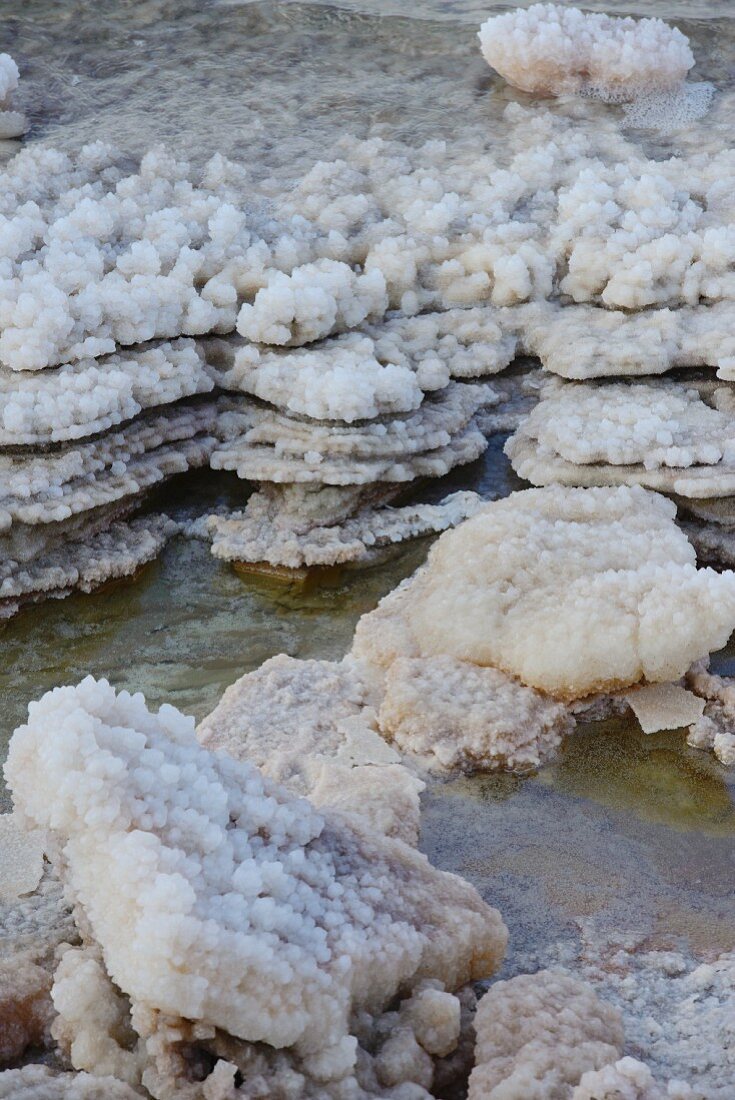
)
(627, 830)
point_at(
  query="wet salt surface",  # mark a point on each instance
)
(629, 831)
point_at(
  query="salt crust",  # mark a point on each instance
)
(217, 896)
(310, 725)
(571, 591)
(21, 859)
(537, 1034)
(267, 532)
(665, 707)
(548, 49)
(676, 1008)
(89, 396)
(40, 1083)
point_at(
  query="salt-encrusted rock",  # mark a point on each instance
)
(262, 533)
(311, 726)
(40, 1083)
(537, 1034)
(240, 922)
(12, 123)
(83, 564)
(660, 434)
(571, 591)
(84, 398)
(553, 50)
(457, 716)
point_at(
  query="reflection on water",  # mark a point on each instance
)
(655, 777)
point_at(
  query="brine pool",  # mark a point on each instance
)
(624, 830)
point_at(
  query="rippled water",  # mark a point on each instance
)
(626, 829)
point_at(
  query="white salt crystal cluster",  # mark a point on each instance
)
(538, 1034)
(566, 589)
(239, 922)
(314, 300)
(659, 433)
(12, 123)
(550, 49)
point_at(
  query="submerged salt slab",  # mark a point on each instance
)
(537, 1034)
(551, 49)
(665, 707)
(217, 896)
(262, 534)
(311, 726)
(571, 591)
(21, 858)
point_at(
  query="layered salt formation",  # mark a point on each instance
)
(412, 274)
(347, 424)
(63, 511)
(661, 434)
(256, 945)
